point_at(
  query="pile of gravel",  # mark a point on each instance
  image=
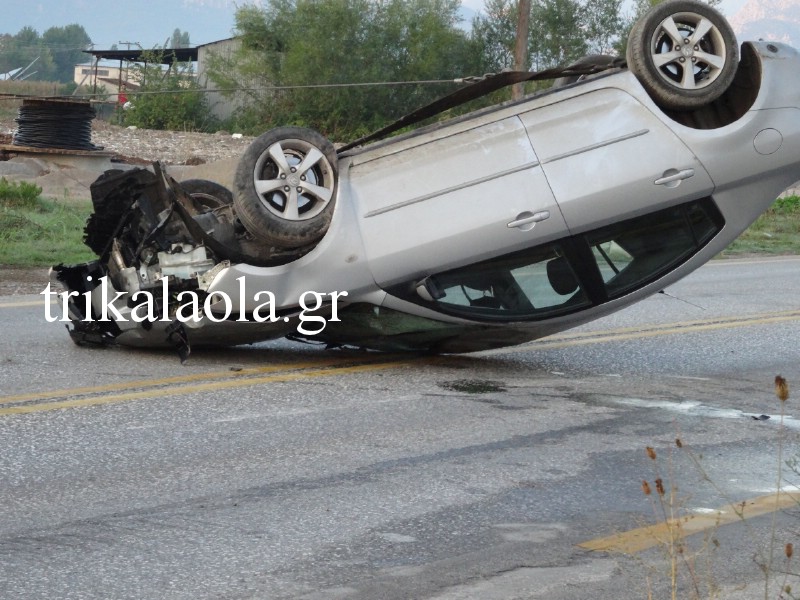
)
(147, 145)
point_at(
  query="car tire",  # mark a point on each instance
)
(599, 60)
(208, 194)
(285, 187)
(684, 53)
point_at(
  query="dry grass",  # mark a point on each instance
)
(690, 569)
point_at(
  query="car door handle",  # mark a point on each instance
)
(673, 177)
(527, 218)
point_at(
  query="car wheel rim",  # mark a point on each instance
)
(688, 51)
(208, 201)
(293, 180)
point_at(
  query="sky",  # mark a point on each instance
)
(149, 23)
(728, 7)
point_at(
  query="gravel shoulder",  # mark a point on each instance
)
(143, 146)
(169, 147)
(17, 281)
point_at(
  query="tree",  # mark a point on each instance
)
(494, 33)
(343, 44)
(605, 25)
(560, 31)
(179, 39)
(66, 44)
(23, 49)
(56, 52)
(167, 99)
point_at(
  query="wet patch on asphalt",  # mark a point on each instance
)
(473, 386)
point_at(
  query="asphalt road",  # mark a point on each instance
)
(286, 471)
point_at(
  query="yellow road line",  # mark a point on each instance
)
(744, 319)
(631, 333)
(26, 303)
(733, 261)
(643, 334)
(151, 383)
(667, 532)
(245, 377)
(197, 388)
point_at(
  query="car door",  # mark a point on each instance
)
(607, 158)
(451, 196)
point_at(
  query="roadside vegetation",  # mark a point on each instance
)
(348, 68)
(35, 232)
(169, 100)
(777, 231)
(688, 568)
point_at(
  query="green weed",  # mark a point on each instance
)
(19, 194)
(35, 232)
(777, 231)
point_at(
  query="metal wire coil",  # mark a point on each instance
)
(55, 124)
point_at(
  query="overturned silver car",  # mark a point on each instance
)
(491, 229)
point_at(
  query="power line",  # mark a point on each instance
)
(271, 88)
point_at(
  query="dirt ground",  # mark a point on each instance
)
(147, 145)
(17, 281)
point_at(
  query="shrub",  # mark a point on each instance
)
(169, 99)
(19, 195)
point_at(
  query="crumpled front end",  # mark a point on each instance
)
(159, 249)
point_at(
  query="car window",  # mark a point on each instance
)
(611, 258)
(572, 273)
(634, 252)
(535, 282)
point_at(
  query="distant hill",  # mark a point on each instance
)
(775, 20)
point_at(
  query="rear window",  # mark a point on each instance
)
(637, 251)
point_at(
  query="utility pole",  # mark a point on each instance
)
(128, 44)
(521, 45)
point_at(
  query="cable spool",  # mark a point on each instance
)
(49, 123)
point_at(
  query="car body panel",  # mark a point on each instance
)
(449, 201)
(603, 170)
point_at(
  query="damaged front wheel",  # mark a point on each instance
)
(208, 194)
